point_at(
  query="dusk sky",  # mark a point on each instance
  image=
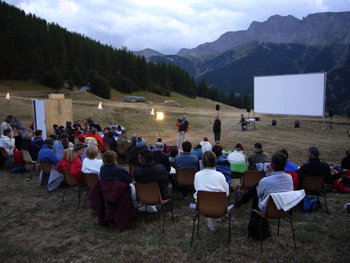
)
(167, 26)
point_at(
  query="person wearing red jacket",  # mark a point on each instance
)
(93, 133)
(71, 160)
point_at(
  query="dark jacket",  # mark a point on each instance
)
(133, 156)
(32, 148)
(259, 156)
(111, 172)
(217, 126)
(112, 143)
(38, 141)
(315, 168)
(112, 201)
(149, 173)
(160, 158)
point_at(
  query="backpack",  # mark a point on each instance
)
(310, 204)
(254, 228)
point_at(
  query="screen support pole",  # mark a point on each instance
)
(285, 125)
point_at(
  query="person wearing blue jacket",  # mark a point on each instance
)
(222, 165)
(47, 153)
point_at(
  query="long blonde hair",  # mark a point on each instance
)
(69, 154)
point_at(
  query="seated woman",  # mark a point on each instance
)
(210, 180)
(237, 155)
(71, 160)
(92, 165)
(112, 142)
(110, 171)
(8, 143)
(65, 141)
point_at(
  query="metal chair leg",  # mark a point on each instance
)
(63, 195)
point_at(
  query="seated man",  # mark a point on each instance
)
(38, 139)
(8, 143)
(150, 172)
(259, 156)
(210, 180)
(314, 167)
(275, 182)
(222, 165)
(122, 140)
(160, 157)
(16, 124)
(133, 155)
(186, 160)
(197, 151)
(30, 146)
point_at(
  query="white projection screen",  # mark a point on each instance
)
(299, 94)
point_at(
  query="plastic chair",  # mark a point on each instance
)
(185, 178)
(314, 186)
(212, 204)
(132, 168)
(271, 212)
(90, 180)
(71, 182)
(106, 146)
(28, 159)
(149, 194)
(250, 178)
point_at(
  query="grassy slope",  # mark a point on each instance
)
(34, 227)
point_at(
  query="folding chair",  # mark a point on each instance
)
(28, 159)
(271, 212)
(106, 146)
(314, 186)
(149, 194)
(132, 168)
(72, 182)
(89, 180)
(121, 153)
(212, 204)
(185, 178)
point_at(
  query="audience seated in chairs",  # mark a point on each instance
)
(8, 143)
(30, 146)
(133, 155)
(90, 143)
(47, 154)
(122, 140)
(92, 165)
(16, 124)
(65, 141)
(38, 139)
(186, 160)
(78, 134)
(173, 153)
(259, 156)
(69, 130)
(93, 125)
(210, 180)
(93, 133)
(150, 172)
(7, 124)
(71, 161)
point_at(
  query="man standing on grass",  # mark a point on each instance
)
(182, 128)
(217, 129)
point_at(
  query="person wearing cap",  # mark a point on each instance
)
(243, 123)
(182, 128)
(71, 160)
(160, 157)
(122, 140)
(133, 153)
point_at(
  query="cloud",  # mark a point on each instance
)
(167, 26)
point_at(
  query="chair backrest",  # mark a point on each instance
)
(250, 178)
(212, 204)
(4, 153)
(236, 175)
(90, 180)
(26, 156)
(271, 211)
(46, 167)
(121, 149)
(76, 140)
(172, 164)
(106, 146)
(148, 194)
(69, 179)
(132, 168)
(313, 183)
(185, 177)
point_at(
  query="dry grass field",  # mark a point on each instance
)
(34, 226)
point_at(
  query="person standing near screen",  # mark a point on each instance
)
(242, 122)
(216, 128)
(182, 128)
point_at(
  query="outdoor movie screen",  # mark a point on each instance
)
(298, 94)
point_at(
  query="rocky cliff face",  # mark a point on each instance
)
(316, 29)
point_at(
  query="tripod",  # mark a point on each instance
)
(330, 124)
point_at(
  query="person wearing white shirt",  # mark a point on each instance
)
(8, 143)
(237, 155)
(210, 180)
(206, 146)
(92, 165)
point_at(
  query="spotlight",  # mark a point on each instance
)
(330, 113)
(159, 115)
